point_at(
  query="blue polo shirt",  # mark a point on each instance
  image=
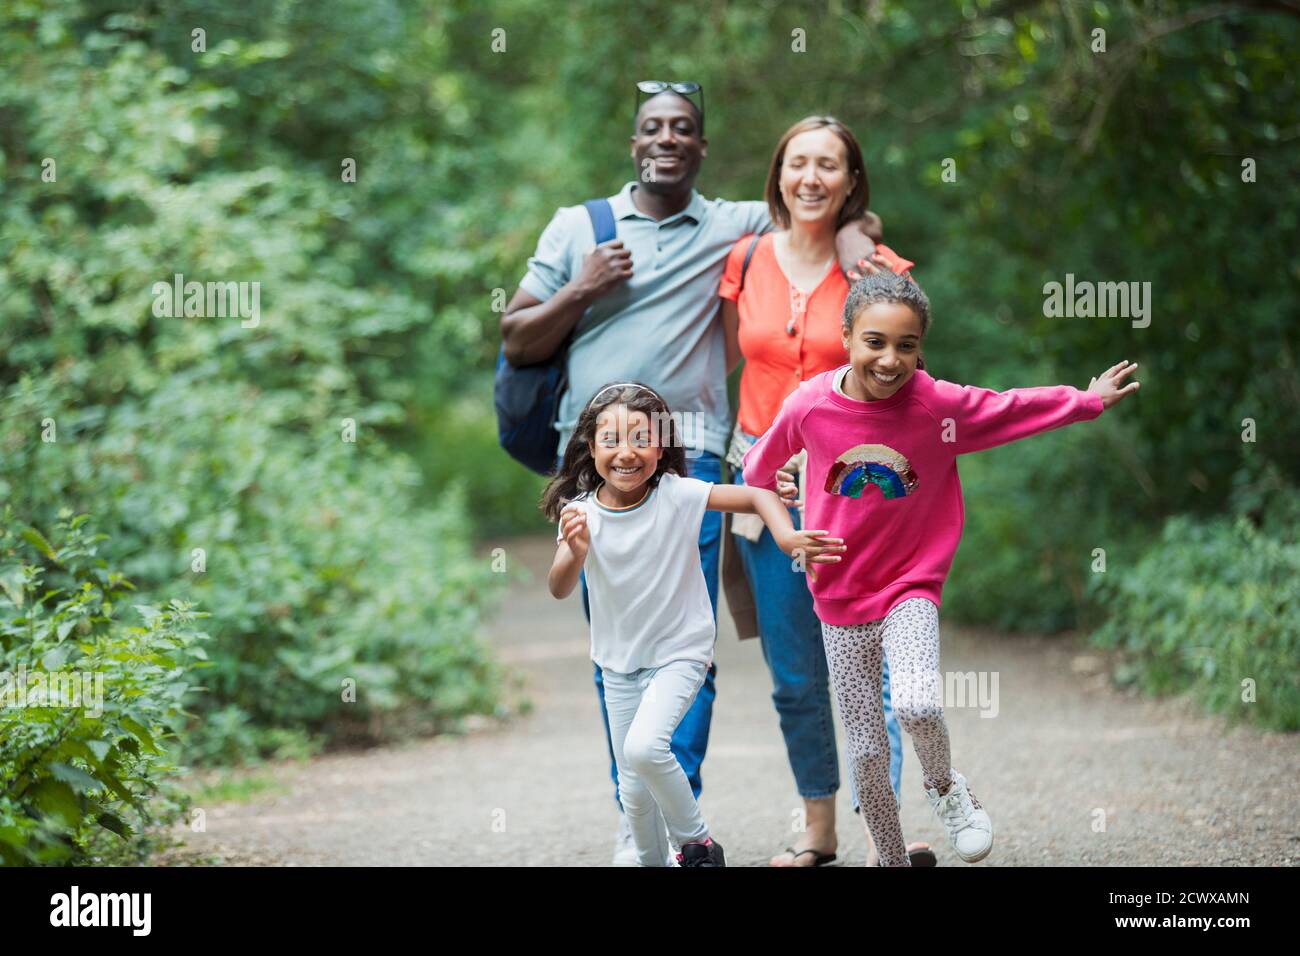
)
(661, 326)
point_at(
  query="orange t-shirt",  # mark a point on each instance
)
(776, 360)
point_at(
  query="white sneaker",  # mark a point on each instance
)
(624, 846)
(970, 831)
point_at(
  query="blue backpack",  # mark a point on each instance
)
(527, 398)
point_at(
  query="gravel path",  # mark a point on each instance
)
(1064, 756)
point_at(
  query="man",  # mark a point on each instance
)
(644, 307)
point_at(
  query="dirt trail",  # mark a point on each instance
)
(1175, 787)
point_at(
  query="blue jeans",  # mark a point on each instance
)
(691, 738)
(791, 636)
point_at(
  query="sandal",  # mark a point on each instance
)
(923, 857)
(819, 858)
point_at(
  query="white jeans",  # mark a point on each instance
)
(644, 709)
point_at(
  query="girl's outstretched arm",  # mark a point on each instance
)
(815, 547)
(771, 452)
(570, 553)
(974, 419)
(1107, 385)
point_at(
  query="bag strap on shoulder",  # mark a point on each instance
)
(749, 254)
(604, 228)
(602, 219)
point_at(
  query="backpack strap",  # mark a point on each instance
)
(602, 219)
(602, 225)
(749, 254)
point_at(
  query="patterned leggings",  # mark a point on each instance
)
(909, 635)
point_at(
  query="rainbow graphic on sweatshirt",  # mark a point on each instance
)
(877, 465)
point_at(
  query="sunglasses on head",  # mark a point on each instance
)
(683, 88)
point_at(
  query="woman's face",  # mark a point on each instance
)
(815, 177)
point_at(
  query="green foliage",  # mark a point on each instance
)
(1214, 604)
(457, 449)
(320, 566)
(1123, 165)
(330, 560)
(1036, 511)
(323, 560)
(83, 776)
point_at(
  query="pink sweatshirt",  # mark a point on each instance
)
(883, 476)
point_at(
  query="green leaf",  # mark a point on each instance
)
(37, 541)
(78, 779)
(111, 821)
(54, 798)
(116, 785)
(141, 733)
(54, 659)
(99, 748)
(12, 583)
(148, 612)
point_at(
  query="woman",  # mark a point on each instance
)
(783, 314)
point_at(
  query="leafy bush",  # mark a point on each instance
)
(323, 560)
(318, 565)
(1212, 605)
(82, 778)
(457, 449)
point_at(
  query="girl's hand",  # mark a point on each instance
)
(866, 267)
(573, 525)
(787, 489)
(1107, 385)
(812, 548)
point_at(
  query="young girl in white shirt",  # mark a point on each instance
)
(629, 520)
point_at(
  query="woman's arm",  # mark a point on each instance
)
(813, 546)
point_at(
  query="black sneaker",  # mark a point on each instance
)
(698, 854)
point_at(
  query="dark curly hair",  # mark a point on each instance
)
(577, 473)
(892, 288)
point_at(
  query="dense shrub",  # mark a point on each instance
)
(81, 778)
(317, 564)
(324, 560)
(1213, 605)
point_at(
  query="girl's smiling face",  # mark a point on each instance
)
(626, 451)
(883, 345)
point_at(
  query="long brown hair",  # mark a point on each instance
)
(855, 204)
(577, 472)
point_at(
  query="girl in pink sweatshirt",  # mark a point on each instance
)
(882, 438)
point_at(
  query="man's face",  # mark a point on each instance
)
(667, 146)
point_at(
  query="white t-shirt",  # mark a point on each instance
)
(649, 602)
